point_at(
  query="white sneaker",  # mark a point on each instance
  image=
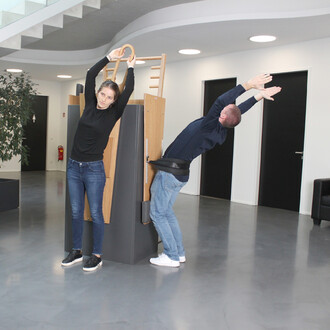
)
(164, 260)
(182, 259)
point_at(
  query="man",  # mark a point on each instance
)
(173, 169)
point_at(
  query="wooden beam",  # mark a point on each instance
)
(109, 160)
(162, 75)
(73, 100)
(140, 102)
(148, 58)
(154, 115)
(82, 103)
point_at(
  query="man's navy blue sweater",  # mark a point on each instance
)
(204, 133)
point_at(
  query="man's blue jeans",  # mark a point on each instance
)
(164, 191)
(89, 177)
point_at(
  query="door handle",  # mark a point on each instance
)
(299, 152)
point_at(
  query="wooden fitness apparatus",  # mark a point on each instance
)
(154, 113)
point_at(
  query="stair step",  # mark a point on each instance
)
(76, 11)
(93, 4)
(55, 21)
(31, 35)
(35, 31)
(12, 43)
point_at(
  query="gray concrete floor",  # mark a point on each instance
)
(247, 268)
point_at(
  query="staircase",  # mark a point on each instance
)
(25, 21)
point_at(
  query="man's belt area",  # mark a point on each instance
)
(172, 165)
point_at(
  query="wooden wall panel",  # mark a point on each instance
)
(107, 199)
(82, 103)
(87, 212)
(154, 115)
(109, 160)
(73, 100)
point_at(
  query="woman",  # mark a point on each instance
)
(85, 167)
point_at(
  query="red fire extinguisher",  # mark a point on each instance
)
(60, 153)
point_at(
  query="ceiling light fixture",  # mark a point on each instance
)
(64, 76)
(262, 38)
(189, 51)
(140, 62)
(14, 70)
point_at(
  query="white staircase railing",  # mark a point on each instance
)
(27, 18)
(13, 10)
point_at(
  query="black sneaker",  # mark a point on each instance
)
(73, 257)
(92, 263)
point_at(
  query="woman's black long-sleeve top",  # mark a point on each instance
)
(95, 125)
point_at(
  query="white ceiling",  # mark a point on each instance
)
(154, 27)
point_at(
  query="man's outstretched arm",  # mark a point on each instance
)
(229, 97)
(267, 93)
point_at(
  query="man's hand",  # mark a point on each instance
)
(268, 93)
(258, 81)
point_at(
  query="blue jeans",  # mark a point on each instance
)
(164, 191)
(89, 177)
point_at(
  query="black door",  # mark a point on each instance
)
(217, 163)
(35, 133)
(283, 142)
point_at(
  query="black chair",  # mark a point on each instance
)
(321, 201)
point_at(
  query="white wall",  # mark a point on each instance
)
(55, 122)
(67, 88)
(184, 96)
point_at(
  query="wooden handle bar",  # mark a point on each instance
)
(114, 71)
(131, 48)
(149, 58)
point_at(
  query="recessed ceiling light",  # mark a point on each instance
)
(14, 70)
(189, 51)
(140, 62)
(64, 76)
(262, 38)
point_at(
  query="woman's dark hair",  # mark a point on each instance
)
(112, 85)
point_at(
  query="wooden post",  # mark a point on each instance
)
(154, 115)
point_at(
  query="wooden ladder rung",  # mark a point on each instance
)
(157, 75)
